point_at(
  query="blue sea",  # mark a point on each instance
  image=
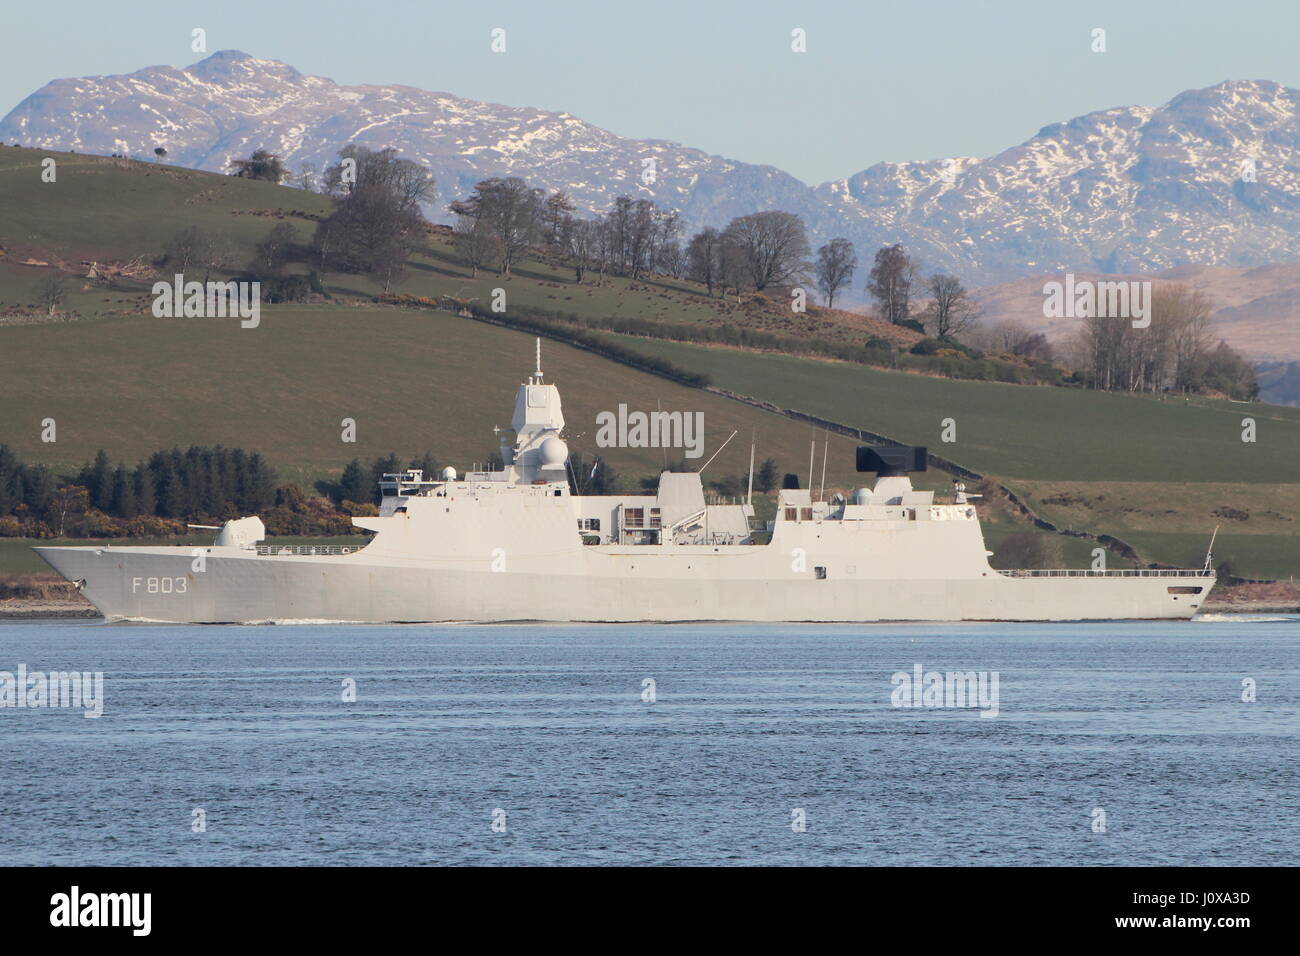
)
(1112, 744)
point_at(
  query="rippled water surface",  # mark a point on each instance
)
(1144, 723)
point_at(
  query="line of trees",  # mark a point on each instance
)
(378, 217)
(1176, 352)
(200, 483)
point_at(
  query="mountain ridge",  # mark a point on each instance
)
(1126, 189)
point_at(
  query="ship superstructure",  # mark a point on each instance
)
(516, 544)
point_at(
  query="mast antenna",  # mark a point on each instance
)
(716, 453)
(749, 495)
(539, 358)
(821, 495)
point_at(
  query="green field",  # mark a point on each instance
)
(114, 210)
(412, 380)
(1016, 430)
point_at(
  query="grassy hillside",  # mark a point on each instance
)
(1159, 473)
(100, 208)
(1014, 430)
(411, 380)
(103, 209)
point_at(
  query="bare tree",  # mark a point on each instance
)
(511, 209)
(836, 263)
(618, 222)
(69, 500)
(273, 251)
(477, 243)
(950, 311)
(554, 213)
(890, 283)
(1169, 352)
(670, 259)
(582, 244)
(306, 178)
(388, 261)
(370, 225)
(1009, 335)
(604, 246)
(184, 248)
(360, 167)
(1189, 312)
(215, 253)
(772, 245)
(52, 291)
(704, 258)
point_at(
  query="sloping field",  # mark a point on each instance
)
(104, 209)
(1018, 431)
(411, 380)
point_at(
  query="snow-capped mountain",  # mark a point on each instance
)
(1212, 177)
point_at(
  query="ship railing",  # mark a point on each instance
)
(308, 549)
(1138, 573)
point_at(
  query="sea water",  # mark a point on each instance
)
(1107, 744)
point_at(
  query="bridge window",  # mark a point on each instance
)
(634, 517)
(791, 514)
(805, 514)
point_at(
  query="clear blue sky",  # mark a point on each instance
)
(880, 81)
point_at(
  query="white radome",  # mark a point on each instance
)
(554, 452)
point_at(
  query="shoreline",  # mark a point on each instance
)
(78, 608)
(22, 609)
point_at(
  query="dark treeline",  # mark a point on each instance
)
(200, 484)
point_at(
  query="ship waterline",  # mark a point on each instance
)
(518, 545)
(127, 584)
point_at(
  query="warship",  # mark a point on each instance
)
(517, 544)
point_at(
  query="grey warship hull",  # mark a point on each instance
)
(151, 584)
(517, 544)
